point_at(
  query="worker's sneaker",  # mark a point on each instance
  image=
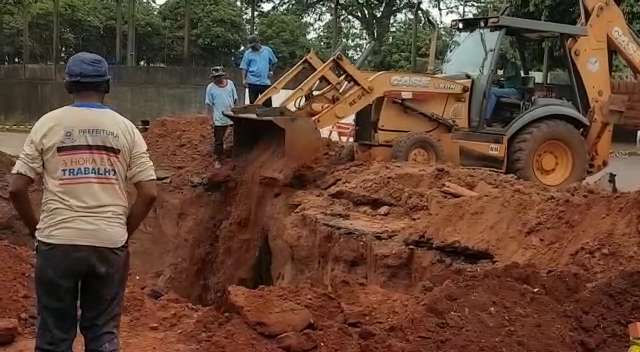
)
(217, 165)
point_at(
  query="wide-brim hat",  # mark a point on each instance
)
(217, 71)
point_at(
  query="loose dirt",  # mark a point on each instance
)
(379, 255)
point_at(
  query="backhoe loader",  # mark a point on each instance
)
(555, 130)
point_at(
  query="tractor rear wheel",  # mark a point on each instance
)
(418, 148)
(550, 152)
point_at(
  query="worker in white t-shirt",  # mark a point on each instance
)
(220, 97)
(86, 154)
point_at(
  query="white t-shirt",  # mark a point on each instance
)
(86, 154)
(221, 99)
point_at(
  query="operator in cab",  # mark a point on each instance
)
(511, 79)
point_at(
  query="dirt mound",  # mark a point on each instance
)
(6, 164)
(17, 300)
(181, 148)
(382, 242)
(382, 256)
(180, 142)
(10, 225)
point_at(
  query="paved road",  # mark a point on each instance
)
(627, 168)
(11, 143)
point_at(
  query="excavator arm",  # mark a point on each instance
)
(608, 31)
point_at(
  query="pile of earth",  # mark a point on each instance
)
(10, 226)
(270, 256)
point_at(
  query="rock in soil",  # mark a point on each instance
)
(8, 331)
(268, 315)
(297, 342)
(384, 211)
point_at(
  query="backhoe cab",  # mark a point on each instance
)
(527, 97)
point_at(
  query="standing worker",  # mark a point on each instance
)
(220, 96)
(257, 69)
(86, 154)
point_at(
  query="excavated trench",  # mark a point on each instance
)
(276, 225)
(380, 254)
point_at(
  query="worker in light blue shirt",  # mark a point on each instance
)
(257, 69)
(220, 96)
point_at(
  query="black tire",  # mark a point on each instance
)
(404, 147)
(348, 153)
(528, 145)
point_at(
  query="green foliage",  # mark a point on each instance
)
(286, 34)
(217, 30)
(9, 31)
(290, 27)
(632, 13)
(352, 40)
(375, 19)
(397, 53)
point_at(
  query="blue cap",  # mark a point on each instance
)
(87, 67)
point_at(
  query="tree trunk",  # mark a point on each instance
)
(253, 17)
(118, 32)
(187, 32)
(26, 18)
(55, 45)
(131, 34)
(2, 56)
(414, 39)
(383, 26)
(433, 50)
(336, 25)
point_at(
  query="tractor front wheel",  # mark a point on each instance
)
(418, 148)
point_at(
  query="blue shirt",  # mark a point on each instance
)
(221, 99)
(258, 65)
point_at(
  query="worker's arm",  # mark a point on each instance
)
(273, 60)
(28, 167)
(147, 193)
(244, 67)
(19, 195)
(208, 101)
(143, 176)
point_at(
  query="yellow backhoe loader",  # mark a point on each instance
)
(553, 128)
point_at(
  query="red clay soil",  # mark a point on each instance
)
(10, 225)
(17, 299)
(380, 255)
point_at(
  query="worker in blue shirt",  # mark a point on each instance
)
(257, 69)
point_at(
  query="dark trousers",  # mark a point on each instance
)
(94, 276)
(218, 141)
(254, 92)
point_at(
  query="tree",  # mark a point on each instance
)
(396, 54)
(217, 30)
(375, 17)
(10, 27)
(632, 13)
(286, 35)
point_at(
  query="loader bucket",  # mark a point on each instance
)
(295, 138)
